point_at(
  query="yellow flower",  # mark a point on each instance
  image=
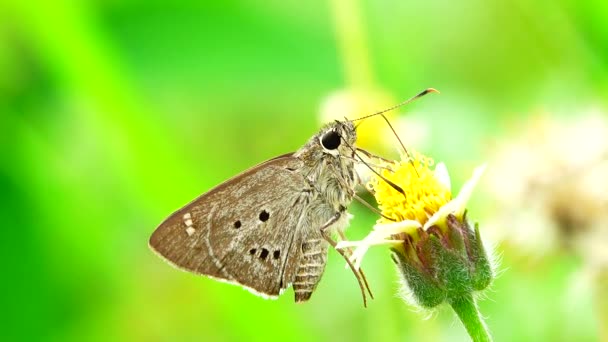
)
(425, 190)
(426, 202)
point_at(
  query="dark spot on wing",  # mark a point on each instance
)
(237, 224)
(264, 254)
(264, 216)
(276, 254)
(252, 251)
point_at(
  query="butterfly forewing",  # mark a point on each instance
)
(244, 231)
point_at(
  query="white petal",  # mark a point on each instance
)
(467, 190)
(374, 238)
(357, 257)
(360, 251)
(407, 226)
(363, 243)
(443, 176)
(458, 205)
(444, 211)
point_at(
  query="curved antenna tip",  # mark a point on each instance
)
(424, 92)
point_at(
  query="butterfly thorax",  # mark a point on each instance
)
(331, 172)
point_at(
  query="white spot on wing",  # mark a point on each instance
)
(189, 224)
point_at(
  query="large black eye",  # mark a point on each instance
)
(331, 140)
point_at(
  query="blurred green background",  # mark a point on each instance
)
(113, 114)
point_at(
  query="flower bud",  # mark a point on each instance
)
(443, 264)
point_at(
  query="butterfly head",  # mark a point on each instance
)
(338, 138)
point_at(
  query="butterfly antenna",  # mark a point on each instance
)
(393, 185)
(419, 95)
(409, 157)
(381, 113)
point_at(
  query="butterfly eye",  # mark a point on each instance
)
(330, 140)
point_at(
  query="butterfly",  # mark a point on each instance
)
(270, 227)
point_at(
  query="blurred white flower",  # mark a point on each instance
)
(549, 182)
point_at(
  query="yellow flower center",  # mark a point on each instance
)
(424, 193)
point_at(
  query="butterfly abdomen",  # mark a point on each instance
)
(310, 269)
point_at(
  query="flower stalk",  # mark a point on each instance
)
(466, 309)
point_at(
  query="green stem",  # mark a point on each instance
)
(467, 311)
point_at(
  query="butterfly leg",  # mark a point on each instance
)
(333, 243)
(369, 206)
(363, 277)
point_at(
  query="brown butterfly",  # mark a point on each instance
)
(270, 227)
